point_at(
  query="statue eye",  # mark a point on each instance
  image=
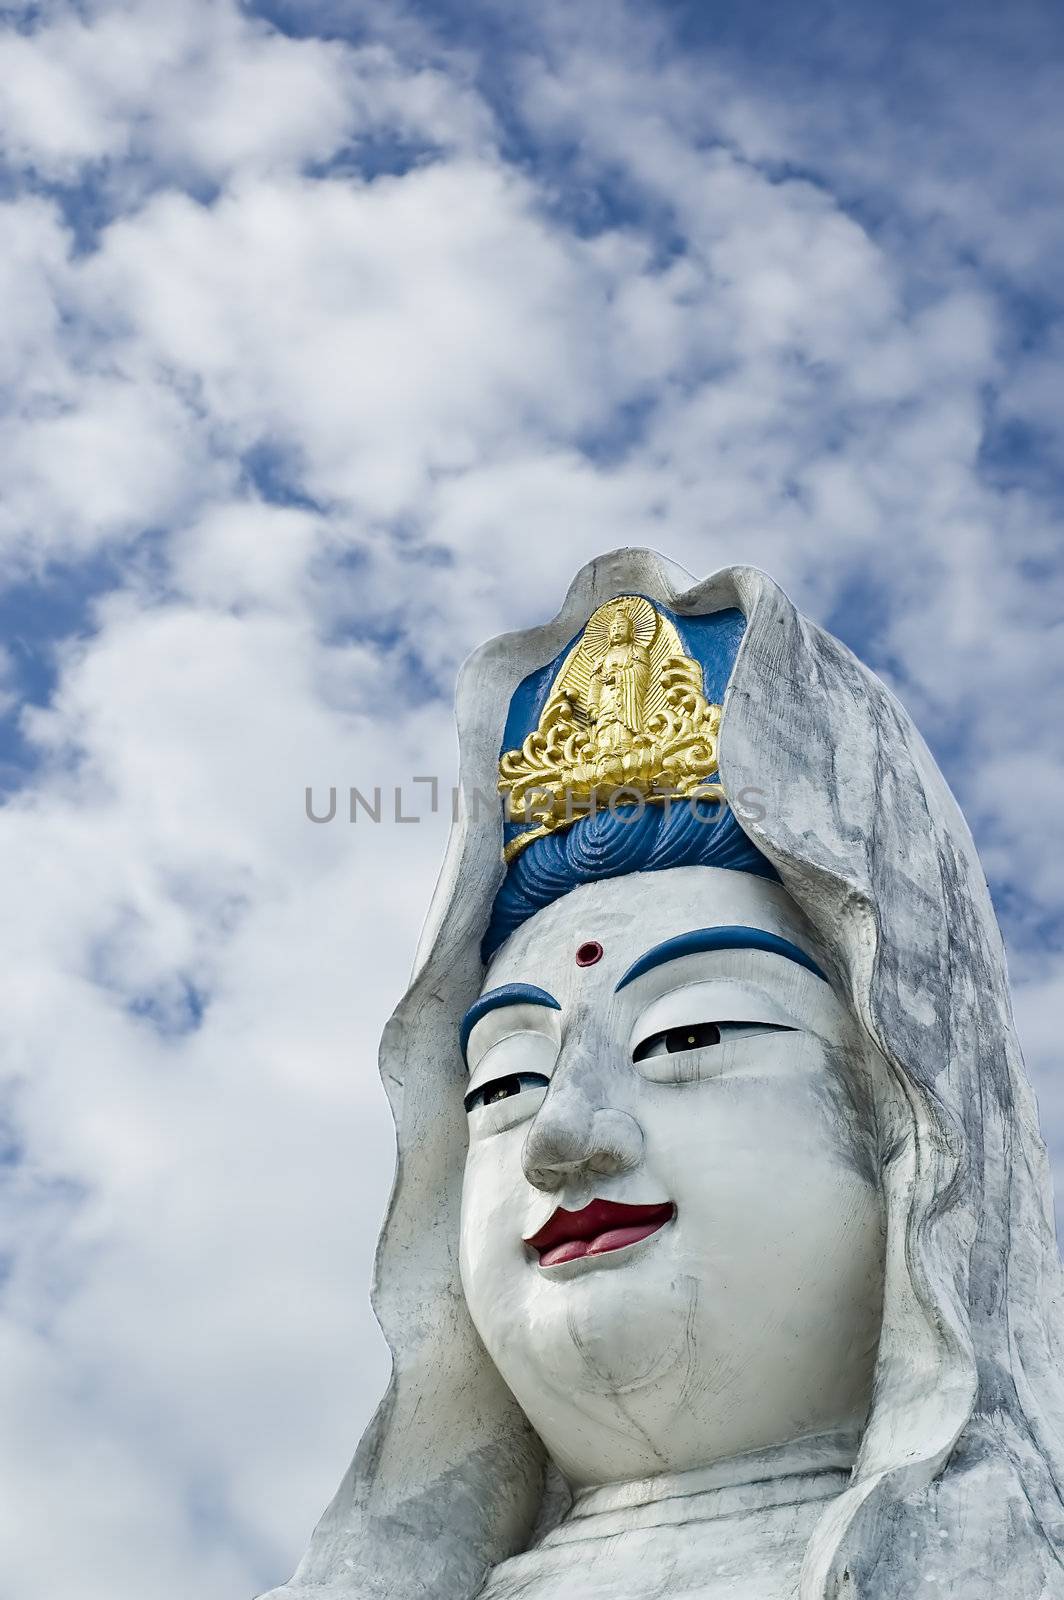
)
(699, 1036)
(497, 1089)
(669, 1040)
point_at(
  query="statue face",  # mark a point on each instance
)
(622, 630)
(671, 1225)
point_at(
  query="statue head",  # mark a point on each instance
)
(713, 1130)
(672, 1231)
(621, 629)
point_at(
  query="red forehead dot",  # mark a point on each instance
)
(588, 953)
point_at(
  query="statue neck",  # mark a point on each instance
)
(786, 1474)
(737, 1530)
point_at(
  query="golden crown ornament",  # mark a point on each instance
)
(625, 721)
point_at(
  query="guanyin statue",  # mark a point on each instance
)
(720, 1262)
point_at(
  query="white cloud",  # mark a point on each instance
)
(195, 86)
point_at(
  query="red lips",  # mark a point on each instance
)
(603, 1225)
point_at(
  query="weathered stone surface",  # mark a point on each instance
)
(956, 1490)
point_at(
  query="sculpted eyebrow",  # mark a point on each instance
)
(508, 994)
(734, 938)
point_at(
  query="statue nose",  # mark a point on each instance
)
(570, 1138)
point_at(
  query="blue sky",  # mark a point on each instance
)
(334, 338)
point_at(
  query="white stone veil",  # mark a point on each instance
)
(960, 1476)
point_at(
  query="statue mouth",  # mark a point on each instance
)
(602, 1226)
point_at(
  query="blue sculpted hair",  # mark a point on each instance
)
(628, 838)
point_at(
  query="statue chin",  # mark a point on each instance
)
(621, 1332)
(746, 1312)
